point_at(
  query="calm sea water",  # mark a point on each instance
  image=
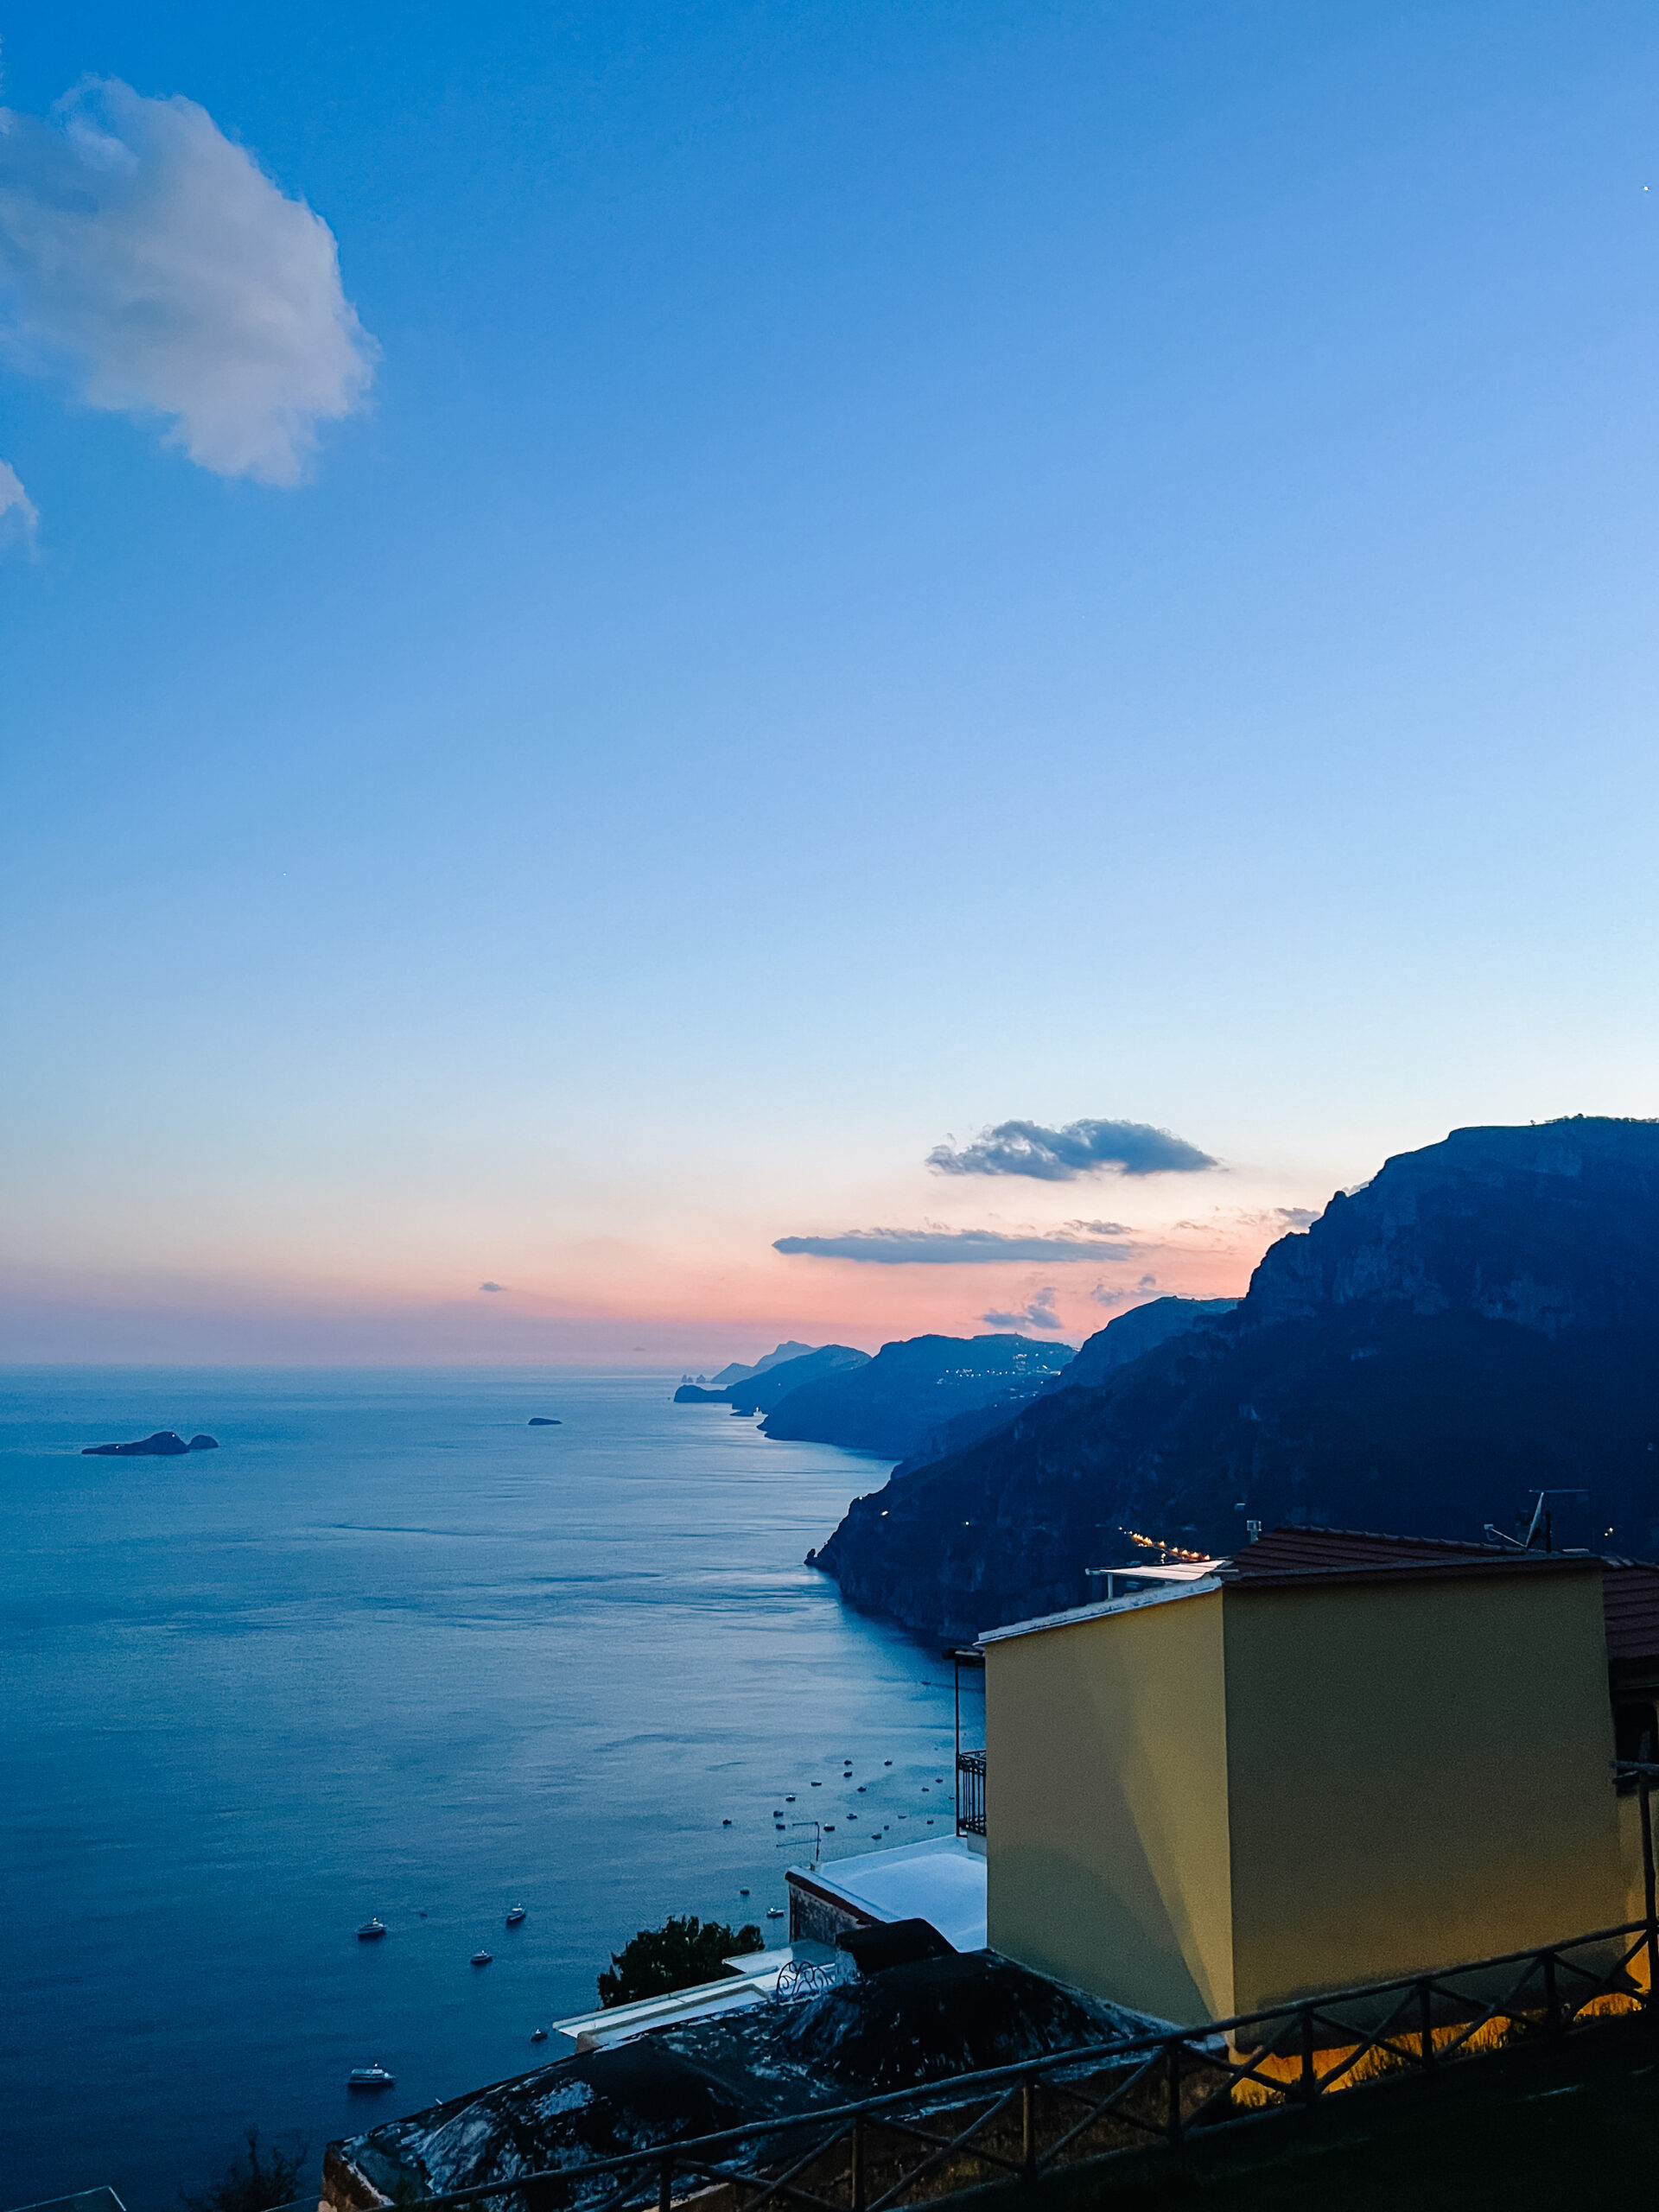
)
(392, 1650)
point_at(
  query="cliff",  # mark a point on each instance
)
(736, 1372)
(767, 1385)
(1134, 1334)
(769, 1389)
(911, 1389)
(1480, 1320)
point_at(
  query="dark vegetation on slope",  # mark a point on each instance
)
(1134, 1334)
(684, 1952)
(911, 1389)
(771, 1383)
(769, 1390)
(1480, 1320)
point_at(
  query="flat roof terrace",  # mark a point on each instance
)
(941, 1880)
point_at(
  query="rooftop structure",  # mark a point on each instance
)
(1334, 1757)
(941, 1881)
(751, 1978)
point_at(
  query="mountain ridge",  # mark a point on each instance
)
(1480, 1319)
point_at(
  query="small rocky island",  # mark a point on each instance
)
(165, 1444)
(544, 1421)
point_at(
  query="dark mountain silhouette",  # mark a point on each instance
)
(1480, 1320)
(765, 1391)
(910, 1389)
(1135, 1333)
(759, 1391)
(736, 1372)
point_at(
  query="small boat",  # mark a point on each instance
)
(481, 1958)
(371, 2077)
(370, 1929)
(539, 2035)
(774, 1912)
(515, 1916)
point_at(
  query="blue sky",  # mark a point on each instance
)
(901, 570)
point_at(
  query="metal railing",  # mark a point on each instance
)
(970, 1792)
(1084, 2108)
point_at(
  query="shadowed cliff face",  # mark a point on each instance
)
(911, 1389)
(1552, 1227)
(1482, 1320)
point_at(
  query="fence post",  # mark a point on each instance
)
(1426, 2027)
(1174, 2130)
(1310, 2083)
(1028, 2127)
(665, 2183)
(1647, 1880)
(856, 2160)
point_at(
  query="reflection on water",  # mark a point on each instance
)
(392, 1650)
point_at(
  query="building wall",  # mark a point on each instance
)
(1417, 1775)
(1106, 1814)
(817, 1917)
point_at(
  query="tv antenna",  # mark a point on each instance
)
(1537, 1537)
(817, 1837)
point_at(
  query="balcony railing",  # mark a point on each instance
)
(939, 2143)
(970, 1792)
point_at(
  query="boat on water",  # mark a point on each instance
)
(774, 1912)
(481, 1958)
(515, 1916)
(539, 2035)
(371, 2077)
(372, 1926)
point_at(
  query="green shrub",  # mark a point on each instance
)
(255, 2182)
(680, 1953)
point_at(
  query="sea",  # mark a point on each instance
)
(392, 1650)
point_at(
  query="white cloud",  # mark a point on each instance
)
(1038, 1313)
(144, 253)
(897, 1247)
(17, 508)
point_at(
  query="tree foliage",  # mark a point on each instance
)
(256, 2182)
(680, 1953)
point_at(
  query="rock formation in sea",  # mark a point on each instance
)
(1478, 1321)
(164, 1444)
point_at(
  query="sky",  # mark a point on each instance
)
(678, 676)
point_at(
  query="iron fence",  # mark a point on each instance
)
(1083, 2108)
(970, 1792)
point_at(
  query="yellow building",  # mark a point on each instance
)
(1332, 1761)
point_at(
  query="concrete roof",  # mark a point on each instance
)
(753, 1978)
(1170, 1594)
(941, 1880)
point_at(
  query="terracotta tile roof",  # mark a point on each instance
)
(1629, 1603)
(1284, 1557)
(1312, 1551)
